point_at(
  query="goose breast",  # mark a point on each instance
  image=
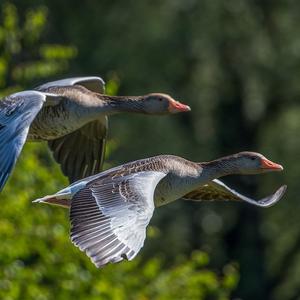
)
(71, 113)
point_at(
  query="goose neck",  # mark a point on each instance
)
(117, 104)
(219, 167)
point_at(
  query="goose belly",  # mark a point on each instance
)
(53, 122)
(172, 188)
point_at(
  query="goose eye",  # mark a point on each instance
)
(253, 158)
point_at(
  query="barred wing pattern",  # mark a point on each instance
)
(110, 215)
(216, 190)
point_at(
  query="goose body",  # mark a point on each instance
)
(71, 115)
(109, 212)
(77, 107)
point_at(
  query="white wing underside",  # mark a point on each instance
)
(17, 112)
(109, 217)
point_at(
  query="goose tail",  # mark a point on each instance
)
(59, 199)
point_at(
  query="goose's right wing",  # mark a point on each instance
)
(92, 83)
(109, 216)
(217, 190)
(17, 112)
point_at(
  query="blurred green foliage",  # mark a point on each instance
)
(25, 55)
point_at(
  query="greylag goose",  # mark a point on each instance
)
(109, 212)
(71, 114)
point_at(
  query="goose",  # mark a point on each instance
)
(109, 212)
(71, 115)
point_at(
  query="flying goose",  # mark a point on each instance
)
(109, 212)
(71, 114)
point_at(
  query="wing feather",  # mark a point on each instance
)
(81, 153)
(17, 112)
(109, 216)
(92, 83)
(217, 190)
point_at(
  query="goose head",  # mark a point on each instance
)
(251, 163)
(245, 163)
(160, 104)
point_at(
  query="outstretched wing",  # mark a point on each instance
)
(17, 112)
(217, 190)
(109, 216)
(81, 153)
(92, 83)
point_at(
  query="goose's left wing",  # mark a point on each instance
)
(217, 190)
(109, 216)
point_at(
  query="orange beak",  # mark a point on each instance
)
(175, 107)
(267, 164)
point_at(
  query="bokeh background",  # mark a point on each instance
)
(237, 64)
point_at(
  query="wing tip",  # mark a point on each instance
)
(276, 197)
(281, 191)
(29, 93)
(125, 254)
(283, 187)
(114, 259)
(3, 180)
(97, 78)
